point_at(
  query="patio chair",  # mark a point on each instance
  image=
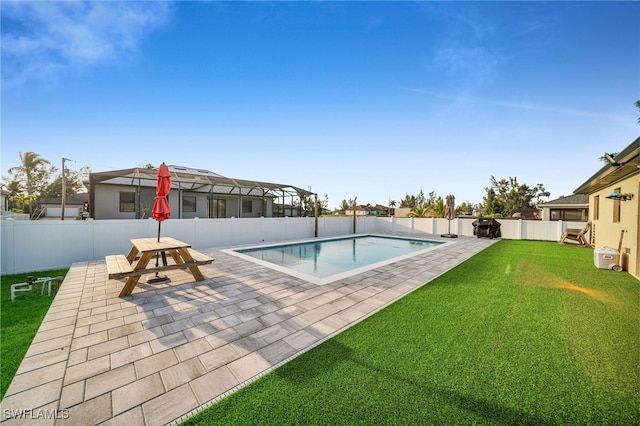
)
(578, 235)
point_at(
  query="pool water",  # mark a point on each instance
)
(323, 261)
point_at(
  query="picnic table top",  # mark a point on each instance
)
(152, 244)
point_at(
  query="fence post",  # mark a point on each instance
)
(520, 223)
(560, 230)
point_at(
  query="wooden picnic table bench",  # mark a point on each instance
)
(184, 257)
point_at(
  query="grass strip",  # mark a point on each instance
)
(19, 321)
(525, 332)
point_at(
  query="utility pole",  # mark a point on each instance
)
(64, 188)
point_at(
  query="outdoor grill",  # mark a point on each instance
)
(486, 227)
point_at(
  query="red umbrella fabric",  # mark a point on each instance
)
(161, 210)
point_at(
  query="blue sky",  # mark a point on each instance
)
(369, 99)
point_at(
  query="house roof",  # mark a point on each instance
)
(568, 201)
(627, 164)
(197, 180)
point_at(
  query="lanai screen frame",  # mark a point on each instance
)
(199, 181)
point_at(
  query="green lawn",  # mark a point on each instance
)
(523, 333)
(19, 321)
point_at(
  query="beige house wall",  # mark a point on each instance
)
(606, 232)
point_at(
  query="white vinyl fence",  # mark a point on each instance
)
(29, 246)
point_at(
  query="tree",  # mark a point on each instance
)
(491, 205)
(507, 195)
(438, 207)
(74, 184)
(465, 207)
(638, 106)
(323, 205)
(34, 173)
(409, 201)
(419, 211)
(20, 202)
(345, 205)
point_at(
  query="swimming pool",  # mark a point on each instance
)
(327, 260)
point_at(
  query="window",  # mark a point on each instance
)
(616, 207)
(569, 214)
(216, 208)
(247, 206)
(189, 203)
(127, 201)
(596, 207)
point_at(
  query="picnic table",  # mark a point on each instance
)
(184, 257)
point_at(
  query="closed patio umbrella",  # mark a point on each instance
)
(161, 209)
(450, 214)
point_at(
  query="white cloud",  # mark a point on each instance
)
(40, 40)
(518, 105)
(475, 65)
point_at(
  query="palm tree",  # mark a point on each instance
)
(20, 201)
(439, 208)
(419, 211)
(33, 171)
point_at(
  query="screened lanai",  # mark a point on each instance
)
(278, 200)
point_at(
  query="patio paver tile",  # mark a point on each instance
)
(35, 378)
(49, 345)
(136, 393)
(213, 384)
(135, 416)
(216, 358)
(130, 355)
(182, 373)
(91, 412)
(35, 397)
(107, 347)
(155, 363)
(109, 380)
(169, 406)
(46, 359)
(72, 394)
(86, 369)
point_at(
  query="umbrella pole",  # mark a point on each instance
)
(158, 278)
(157, 253)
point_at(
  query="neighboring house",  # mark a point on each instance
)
(402, 211)
(4, 209)
(380, 210)
(614, 205)
(527, 213)
(572, 208)
(363, 210)
(130, 194)
(75, 207)
(5, 200)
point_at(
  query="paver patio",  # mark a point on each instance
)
(170, 350)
